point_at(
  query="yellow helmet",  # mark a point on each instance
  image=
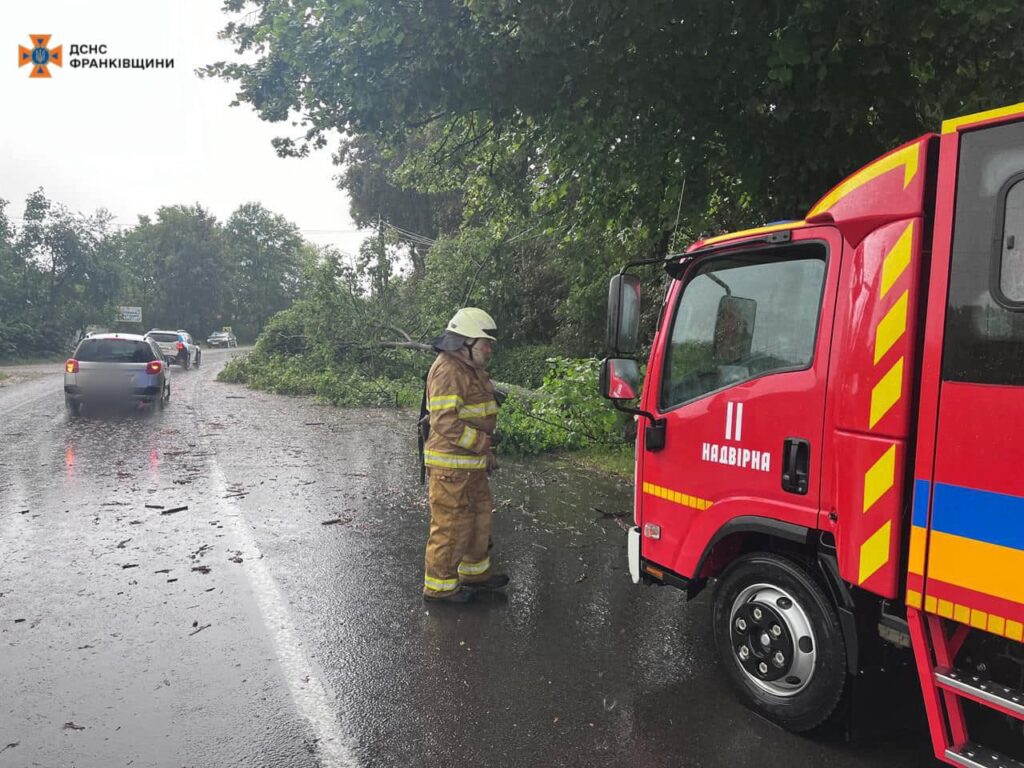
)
(473, 323)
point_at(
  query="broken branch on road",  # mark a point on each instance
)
(173, 510)
(337, 521)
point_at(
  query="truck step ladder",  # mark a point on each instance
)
(973, 756)
(936, 643)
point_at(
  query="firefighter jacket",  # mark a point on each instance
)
(462, 408)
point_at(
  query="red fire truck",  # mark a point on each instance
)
(828, 431)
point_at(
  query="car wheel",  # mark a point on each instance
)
(199, 358)
(74, 406)
(779, 639)
(187, 362)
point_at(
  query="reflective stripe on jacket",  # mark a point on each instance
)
(462, 408)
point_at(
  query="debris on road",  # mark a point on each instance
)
(201, 568)
(236, 558)
(12, 745)
(154, 506)
(163, 570)
(201, 551)
(120, 544)
(70, 726)
(337, 521)
(236, 495)
(173, 510)
(129, 565)
(197, 630)
(18, 621)
(582, 578)
(24, 512)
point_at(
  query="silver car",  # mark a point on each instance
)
(116, 368)
(177, 347)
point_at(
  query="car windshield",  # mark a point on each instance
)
(218, 335)
(164, 336)
(113, 351)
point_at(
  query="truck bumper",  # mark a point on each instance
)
(633, 548)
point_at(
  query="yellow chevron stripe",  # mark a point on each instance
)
(880, 477)
(906, 157)
(874, 553)
(896, 260)
(682, 499)
(891, 327)
(886, 393)
(964, 614)
(754, 231)
(952, 125)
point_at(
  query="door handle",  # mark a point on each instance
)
(796, 465)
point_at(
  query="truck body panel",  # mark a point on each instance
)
(853, 383)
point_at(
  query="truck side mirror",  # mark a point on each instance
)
(623, 315)
(620, 378)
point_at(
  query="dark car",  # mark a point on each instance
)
(222, 339)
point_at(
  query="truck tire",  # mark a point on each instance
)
(779, 639)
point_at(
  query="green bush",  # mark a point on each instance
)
(524, 366)
(565, 413)
(296, 376)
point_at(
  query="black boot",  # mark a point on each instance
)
(495, 581)
(458, 596)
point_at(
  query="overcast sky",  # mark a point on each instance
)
(133, 140)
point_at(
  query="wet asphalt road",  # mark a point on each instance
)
(245, 632)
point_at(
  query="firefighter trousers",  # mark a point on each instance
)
(461, 508)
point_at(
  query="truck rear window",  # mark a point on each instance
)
(164, 337)
(114, 351)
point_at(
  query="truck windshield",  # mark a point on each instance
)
(765, 322)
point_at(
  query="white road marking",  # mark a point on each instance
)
(313, 699)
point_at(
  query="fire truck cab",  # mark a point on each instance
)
(828, 433)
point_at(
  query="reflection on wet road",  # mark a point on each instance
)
(244, 631)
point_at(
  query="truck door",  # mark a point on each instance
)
(972, 503)
(739, 380)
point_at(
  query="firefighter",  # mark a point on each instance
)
(459, 456)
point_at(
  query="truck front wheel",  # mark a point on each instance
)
(779, 640)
